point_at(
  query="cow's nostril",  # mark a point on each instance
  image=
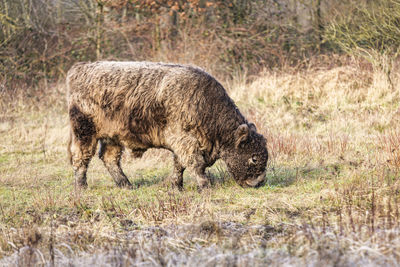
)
(260, 184)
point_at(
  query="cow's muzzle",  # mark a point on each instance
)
(259, 181)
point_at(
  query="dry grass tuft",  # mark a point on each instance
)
(390, 144)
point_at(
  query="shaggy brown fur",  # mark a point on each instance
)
(141, 105)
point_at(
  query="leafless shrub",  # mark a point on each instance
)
(282, 144)
(390, 144)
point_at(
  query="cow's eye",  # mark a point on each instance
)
(253, 160)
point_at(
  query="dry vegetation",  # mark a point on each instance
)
(332, 195)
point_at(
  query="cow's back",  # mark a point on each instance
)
(144, 99)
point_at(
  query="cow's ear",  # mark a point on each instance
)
(241, 134)
(252, 127)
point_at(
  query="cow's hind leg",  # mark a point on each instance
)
(177, 173)
(82, 144)
(110, 154)
(80, 155)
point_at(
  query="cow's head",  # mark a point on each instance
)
(247, 157)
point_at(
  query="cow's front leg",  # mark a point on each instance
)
(201, 177)
(110, 154)
(177, 174)
(188, 153)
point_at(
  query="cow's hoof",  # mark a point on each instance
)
(125, 184)
(177, 185)
(129, 187)
(203, 186)
(81, 184)
(176, 182)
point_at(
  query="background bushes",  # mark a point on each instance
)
(40, 40)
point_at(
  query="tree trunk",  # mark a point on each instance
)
(26, 10)
(99, 30)
(123, 17)
(318, 22)
(7, 28)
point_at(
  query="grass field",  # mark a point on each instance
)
(331, 197)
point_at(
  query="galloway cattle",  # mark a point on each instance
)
(142, 105)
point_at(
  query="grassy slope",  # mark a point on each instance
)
(331, 195)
